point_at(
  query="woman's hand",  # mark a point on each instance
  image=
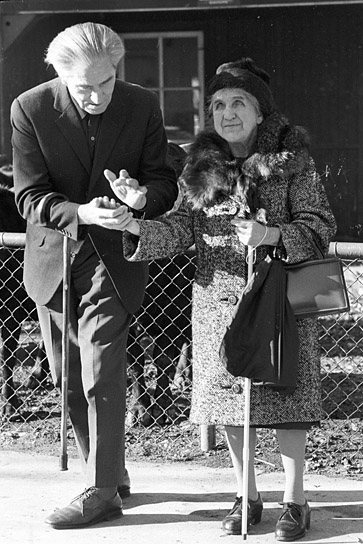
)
(127, 189)
(252, 233)
(249, 232)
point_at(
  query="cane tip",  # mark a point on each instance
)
(63, 462)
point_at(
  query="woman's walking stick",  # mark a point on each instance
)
(63, 461)
(246, 433)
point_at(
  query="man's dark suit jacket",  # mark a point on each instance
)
(53, 174)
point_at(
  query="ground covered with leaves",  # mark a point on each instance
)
(333, 449)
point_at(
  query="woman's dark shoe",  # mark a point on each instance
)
(293, 522)
(232, 523)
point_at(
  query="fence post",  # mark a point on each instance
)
(207, 437)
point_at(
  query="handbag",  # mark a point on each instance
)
(317, 287)
(261, 341)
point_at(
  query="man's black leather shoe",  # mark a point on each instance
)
(232, 523)
(86, 509)
(293, 522)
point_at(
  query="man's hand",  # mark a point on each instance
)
(127, 189)
(104, 212)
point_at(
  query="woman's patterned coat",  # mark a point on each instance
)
(281, 176)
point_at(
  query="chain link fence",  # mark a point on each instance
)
(160, 371)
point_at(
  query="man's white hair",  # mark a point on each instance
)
(83, 44)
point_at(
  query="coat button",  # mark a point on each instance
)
(236, 388)
(232, 299)
(233, 210)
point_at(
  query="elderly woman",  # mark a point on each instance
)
(249, 160)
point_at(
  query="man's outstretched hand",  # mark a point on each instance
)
(127, 189)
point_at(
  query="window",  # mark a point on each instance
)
(170, 64)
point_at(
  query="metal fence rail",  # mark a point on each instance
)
(159, 364)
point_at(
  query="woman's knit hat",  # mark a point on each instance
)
(244, 74)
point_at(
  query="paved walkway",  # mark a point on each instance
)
(170, 504)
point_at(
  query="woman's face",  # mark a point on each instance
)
(235, 116)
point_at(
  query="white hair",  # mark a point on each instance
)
(83, 44)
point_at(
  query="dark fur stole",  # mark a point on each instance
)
(213, 173)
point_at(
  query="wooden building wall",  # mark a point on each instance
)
(313, 54)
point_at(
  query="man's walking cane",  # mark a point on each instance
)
(246, 433)
(63, 460)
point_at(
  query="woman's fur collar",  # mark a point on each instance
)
(212, 173)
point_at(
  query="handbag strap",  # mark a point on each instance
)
(312, 240)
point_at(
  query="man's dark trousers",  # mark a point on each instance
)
(97, 365)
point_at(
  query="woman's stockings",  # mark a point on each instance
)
(235, 445)
(292, 448)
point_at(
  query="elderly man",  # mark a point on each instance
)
(66, 132)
